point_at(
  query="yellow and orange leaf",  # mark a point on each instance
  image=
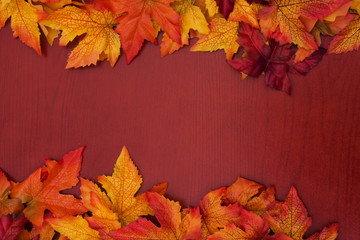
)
(7, 205)
(244, 12)
(119, 203)
(100, 39)
(214, 215)
(24, 21)
(74, 228)
(265, 203)
(41, 194)
(242, 191)
(252, 196)
(293, 219)
(223, 35)
(191, 18)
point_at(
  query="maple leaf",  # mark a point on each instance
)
(244, 12)
(74, 228)
(329, 233)
(285, 14)
(223, 35)
(348, 39)
(7, 205)
(293, 219)
(191, 18)
(44, 194)
(174, 225)
(100, 40)
(24, 21)
(137, 26)
(274, 59)
(119, 201)
(11, 226)
(252, 196)
(216, 216)
(241, 191)
(252, 227)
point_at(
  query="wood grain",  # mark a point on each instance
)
(188, 119)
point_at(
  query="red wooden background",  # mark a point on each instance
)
(188, 119)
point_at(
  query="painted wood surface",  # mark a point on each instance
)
(190, 120)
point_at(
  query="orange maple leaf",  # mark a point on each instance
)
(293, 219)
(136, 25)
(7, 205)
(214, 215)
(24, 21)
(252, 227)
(286, 14)
(119, 202)
(41, 194)
(100, 41)
(348, 39)
(223, 35)
(174, 224)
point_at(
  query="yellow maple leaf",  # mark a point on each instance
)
(74, 228)
(100, 41)
(119, 203)
(24, 21)
(244, 12)
(191, 18)
(223, 35)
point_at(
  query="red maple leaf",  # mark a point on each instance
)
(274, 60)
